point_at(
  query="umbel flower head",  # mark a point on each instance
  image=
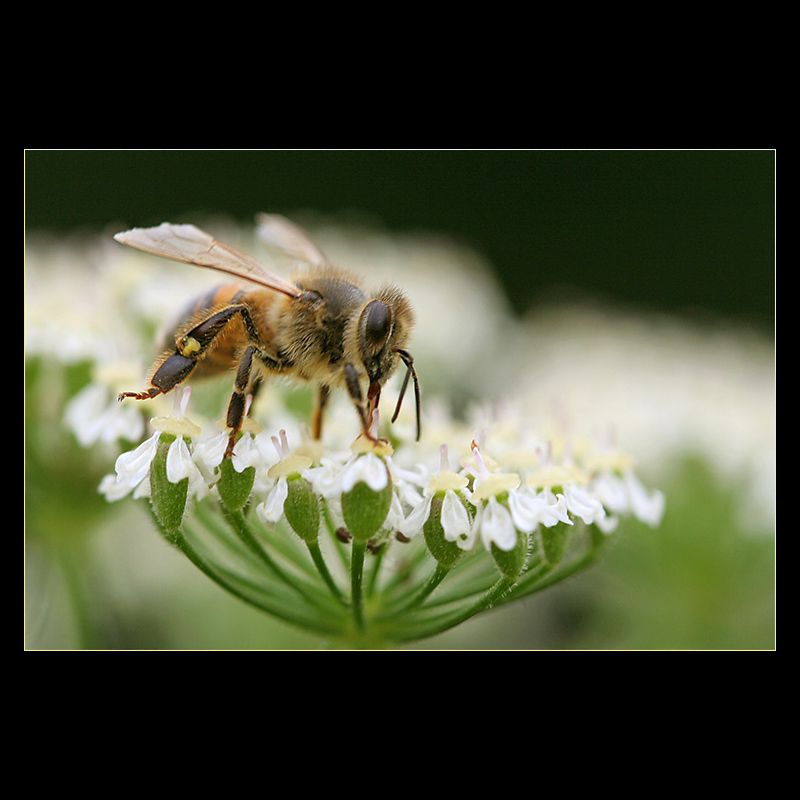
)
(378, 543)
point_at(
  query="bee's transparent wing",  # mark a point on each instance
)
(190, 245)
(293, 241)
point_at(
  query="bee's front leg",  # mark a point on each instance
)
(318, 412)
(365, 409)
(354, 390)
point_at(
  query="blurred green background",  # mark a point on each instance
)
(690, 234)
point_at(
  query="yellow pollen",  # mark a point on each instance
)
(188, 345)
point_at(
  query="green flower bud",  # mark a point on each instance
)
(444, 551)
(168, 499)
(511, 562)
(554, 542)
(234, 487)
(301, 508)
(365, 508)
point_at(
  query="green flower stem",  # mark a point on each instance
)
(207, 516)
(221, 532)
(420, 556)
(426, 628)
(547, 575)
(291, 548)
(322, 567)
(242, 528)
(375, 569)
(356, 579)
(280, 609)
(466, 579)
(330, 524)
(231, 583)
(416, 600)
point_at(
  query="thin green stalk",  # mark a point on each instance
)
(221, 531)
(280, 610)
(322, 567)
(242, 528)
(538, 579)
(430, 627)
(228, 582)
(375, 568)
(330, 524)
(465, 581)
(416, 600)
(356, 581)
(402, 572)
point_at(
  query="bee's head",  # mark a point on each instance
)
(384, 329)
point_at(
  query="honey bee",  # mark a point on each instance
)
(320, 327)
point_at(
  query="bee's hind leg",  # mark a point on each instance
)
(173, 370)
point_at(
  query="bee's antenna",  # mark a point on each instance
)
(410, 372)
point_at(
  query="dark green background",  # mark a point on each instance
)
(687, 232)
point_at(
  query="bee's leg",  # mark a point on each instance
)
(373, 397)
(236, 406)
(255, 386)
(354, 389)
(319, 408)
(174, 368)
(242, 386)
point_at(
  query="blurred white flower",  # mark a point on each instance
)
(93, 415)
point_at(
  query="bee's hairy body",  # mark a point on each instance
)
(323, 328)
(307, 341)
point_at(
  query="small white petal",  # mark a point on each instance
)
(455, 518)
(497, 527)
(544, 508)
(179, 461)
(245, 454)
(326, 478)
(122, 422)
(413, 523)
(612, 492)
(366, 468)
(112, 489)
(395, 516)
(210, 451)
(526, 511)
(93, 416)
(607, 524)
(271, 510)
(134, 466)
(556, 511)
(583, 504)
(648, 508)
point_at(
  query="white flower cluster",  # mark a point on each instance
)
(481, 501)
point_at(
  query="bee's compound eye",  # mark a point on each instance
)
(377, 321)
